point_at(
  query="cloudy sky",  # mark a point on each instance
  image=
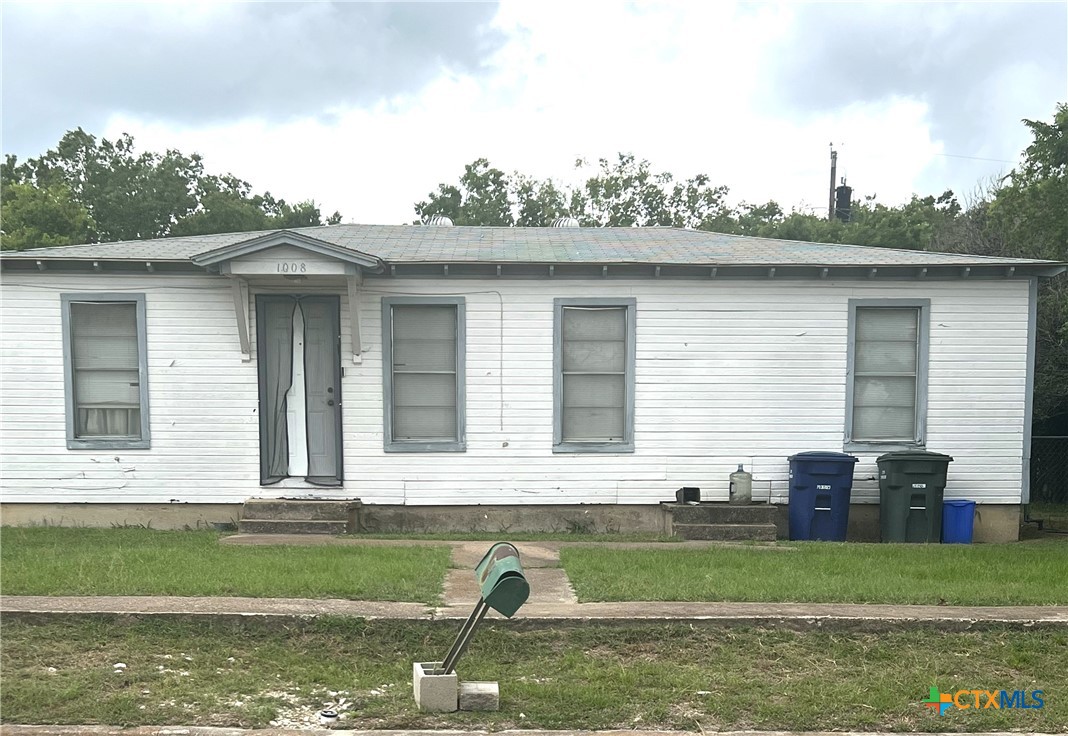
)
(365, 107)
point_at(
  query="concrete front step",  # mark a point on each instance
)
(726, 532)
(721, 513)
(291, 526)
(297, 510)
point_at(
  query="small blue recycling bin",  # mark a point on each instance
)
(820, 483)
(958, 522)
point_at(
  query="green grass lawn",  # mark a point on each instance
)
(1032, 573)
(664, 676)
(55, 561)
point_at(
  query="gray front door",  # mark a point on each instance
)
(300, 388)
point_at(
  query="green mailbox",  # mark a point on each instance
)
(500, 577)
(504, 589)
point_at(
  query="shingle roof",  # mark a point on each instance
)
(400, 244)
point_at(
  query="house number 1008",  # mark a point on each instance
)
(292, 267)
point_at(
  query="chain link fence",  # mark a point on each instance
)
(1049, 469)
(1049, 480)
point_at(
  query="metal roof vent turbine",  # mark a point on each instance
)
(565, 222)
(438, 220)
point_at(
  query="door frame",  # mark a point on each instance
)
(334, 302)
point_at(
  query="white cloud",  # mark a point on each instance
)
(684, 85)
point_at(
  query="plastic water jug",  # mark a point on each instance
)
(741, 489)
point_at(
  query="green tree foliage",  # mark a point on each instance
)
(484, 196)
(623, 192)
(539, 202)
(1028, 217)
(628, 191)
(126, 195)
(1029, 212)
(41, 216)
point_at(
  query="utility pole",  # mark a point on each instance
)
(830, 197)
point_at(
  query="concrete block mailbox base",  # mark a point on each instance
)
(434, 693)
(479, 696)
(445, 693)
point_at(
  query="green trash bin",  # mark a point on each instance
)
(911, 486)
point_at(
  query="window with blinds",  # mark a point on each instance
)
(889, 373)
(594, 375)
(424, 365)
(106, 367)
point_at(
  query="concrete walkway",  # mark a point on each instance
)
(549, 584)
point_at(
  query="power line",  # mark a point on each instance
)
(976, 158)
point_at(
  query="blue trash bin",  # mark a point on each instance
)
(820, 484)
(958, 522)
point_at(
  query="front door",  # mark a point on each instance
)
(300, 388)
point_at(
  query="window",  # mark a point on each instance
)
(423, 366)
(593, 375)
(887, 373)
(105, 371)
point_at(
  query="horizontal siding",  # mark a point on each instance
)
(726, 373)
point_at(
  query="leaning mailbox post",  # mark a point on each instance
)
(503, 588)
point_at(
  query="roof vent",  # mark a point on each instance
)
(565, 222)
(438, 220)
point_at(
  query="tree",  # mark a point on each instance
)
(483, 197)
(539, 202)
(1023, 216)
(620, 193)
(696, 203)
(34, 217)
(624, 193)
(128, 195)
(1028, 211)
(1028, 217)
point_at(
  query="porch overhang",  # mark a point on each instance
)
(281, 254)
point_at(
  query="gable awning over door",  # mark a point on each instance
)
(253, 259)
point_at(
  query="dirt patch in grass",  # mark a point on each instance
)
(690, 677)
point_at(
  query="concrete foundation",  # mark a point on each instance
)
(154, 515)
(993, 522)
(578, 518)
(434, 693)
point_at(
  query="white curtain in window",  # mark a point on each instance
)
(104, 359)
(297, 401)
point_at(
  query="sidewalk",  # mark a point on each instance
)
(794, 615)
(215, 731)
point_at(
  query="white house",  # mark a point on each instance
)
(555, 370)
